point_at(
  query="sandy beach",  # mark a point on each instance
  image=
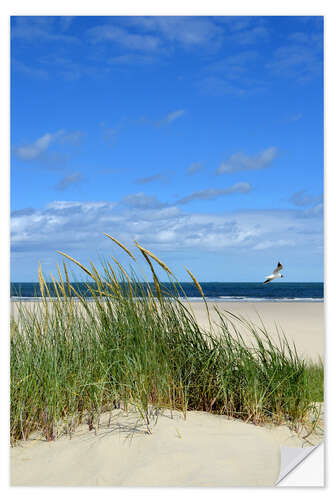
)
(302, 322)
(203, 450)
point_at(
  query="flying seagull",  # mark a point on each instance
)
(276, 274)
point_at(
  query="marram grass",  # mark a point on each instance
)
(73, 359)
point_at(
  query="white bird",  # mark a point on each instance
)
(276, 274)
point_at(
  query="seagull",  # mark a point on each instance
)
(276, 274)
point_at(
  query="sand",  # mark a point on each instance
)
(301, 322)
(203, 450)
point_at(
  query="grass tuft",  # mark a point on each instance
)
(73, 358)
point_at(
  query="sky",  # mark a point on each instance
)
(199, 137)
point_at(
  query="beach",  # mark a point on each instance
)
(302, 322)
(203, 450)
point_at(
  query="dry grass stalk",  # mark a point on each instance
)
(197, 284)
(121, 245)
(78, 264)
(159, 261)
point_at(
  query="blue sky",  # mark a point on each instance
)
(199, 137)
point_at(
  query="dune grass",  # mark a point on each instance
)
(73, 359)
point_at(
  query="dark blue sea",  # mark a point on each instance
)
(248, 292)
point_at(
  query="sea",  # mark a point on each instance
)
(214, 291)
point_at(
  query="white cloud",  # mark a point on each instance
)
(30, 28)
(217, 86)
(297, 61)
(69, 68)
(120, 36)
(302, 199)
(212, 194)
(195, 167)
(152, 178)
(72, 138)
(77, 227)
(295, 117)
(316, 210)
(241, 161)
(39, 147)
(250, 36)
(84, 207)
(32, 151)
(236, 65)
(68, 181)
(264, 245)
(170, 117)
(141, 201)
(186, 30)
(174, 115)
(28, 70)
(135, 59)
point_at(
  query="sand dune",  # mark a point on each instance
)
(203, 450)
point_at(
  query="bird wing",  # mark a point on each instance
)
(268, 280)
(278, 268)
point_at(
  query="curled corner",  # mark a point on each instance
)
(291, 457)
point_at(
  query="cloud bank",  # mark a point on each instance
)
(78, 226)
